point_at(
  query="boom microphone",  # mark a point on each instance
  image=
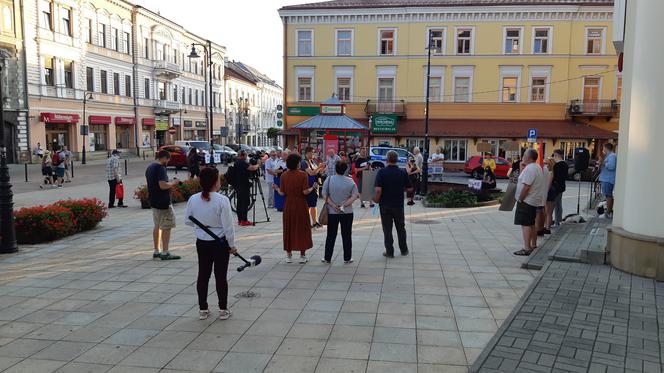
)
(253, 261)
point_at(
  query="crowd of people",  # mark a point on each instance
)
(55, 166)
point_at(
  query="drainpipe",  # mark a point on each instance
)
(134, 61)
(25, 81)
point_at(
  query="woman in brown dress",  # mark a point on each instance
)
(297, 229)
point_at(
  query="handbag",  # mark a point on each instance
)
(322, 217)
(119, 191)
(509, 198)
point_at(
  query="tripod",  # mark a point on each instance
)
(257, 186)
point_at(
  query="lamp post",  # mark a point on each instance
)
(242, 107)
(425, 163)
(7, 231)
(87, 95)
(207, 49)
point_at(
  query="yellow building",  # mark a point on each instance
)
(497, 70)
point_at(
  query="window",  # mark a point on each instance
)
(538, 89)
(175, 92)
(541, 42)
(8, 19)
(435, 89)
(387, 41)
(87, 30)
(462, 89)
(305, 43)
(104, 81)
(125, 42)
(128, 85)
(196, 96)
(512, 41)
(385, 89)
(49, 73)
(66, 21)
(344, 42)
(343, 89)
(69, 74)
(510, 88)
(90, 79)
(497, 149)
(116, 83)
(102, 35)
(47, 15)
(190, 96)
(115, 39)
(146, 48)
(304, 89)
(569, 146)
(619, 88)
(591, 87)
(594, 41)
(464, 41)
(437, 41)
(147, 88)
(184, 96)
(455, 150)
(161, 90)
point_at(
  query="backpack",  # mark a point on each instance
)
(230, 176)
(55, 160)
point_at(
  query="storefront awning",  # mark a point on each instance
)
(331, 122)
(99, 119)
(125, 121)
(148, 121)
(551, 129)
(58, 118)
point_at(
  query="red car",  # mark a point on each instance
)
(473, 166)
(178, 155)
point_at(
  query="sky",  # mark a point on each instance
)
(251, 30)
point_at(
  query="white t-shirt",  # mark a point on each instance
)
(531, 175)
(545, 185)
(270, 164)
(216, 214)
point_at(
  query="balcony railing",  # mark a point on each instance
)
(397, 107)
(165, 106)
(167, 70)
(593, 108)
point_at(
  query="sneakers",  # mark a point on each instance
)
(156, 256)
(388, 255)
(404, 253)
(303, 259)
(122, 206)
(348, 261)
(169, 256)
(410, 203)
(245, 223)
(224, 314)
(203, 314)
(325, 261)
(362, 205)
(289, 259)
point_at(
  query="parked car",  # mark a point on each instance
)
(378, 156)
(178, 155)
(235, 147)
(473, 166)
(227, 154)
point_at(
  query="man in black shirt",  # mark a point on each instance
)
(159, 194)
(391, 183)
(242, 183)
(560, 171)
(362, 163)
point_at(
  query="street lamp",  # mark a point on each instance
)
(425, 163)
(208, 81)
(7, 231)
(242, 111)
(87, 95)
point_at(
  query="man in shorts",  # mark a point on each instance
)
(528, 196)
(159, 191)
(608, 177)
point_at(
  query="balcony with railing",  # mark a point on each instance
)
(594, 108)
(167, 70)
(396, 107)
(166, 107)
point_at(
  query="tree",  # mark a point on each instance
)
(273, 133)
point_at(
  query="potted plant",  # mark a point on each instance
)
(141, 194)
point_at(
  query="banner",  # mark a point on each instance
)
(384, 124)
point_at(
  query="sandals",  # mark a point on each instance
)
(523, 252)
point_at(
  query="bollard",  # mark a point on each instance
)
(26, 172)
(72, 169)
(143, 154)
(125, 167)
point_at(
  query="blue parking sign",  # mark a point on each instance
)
(532, 135)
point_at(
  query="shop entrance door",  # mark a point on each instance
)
(161, 138)
(10, 141)
(57, 135)
(122, 136)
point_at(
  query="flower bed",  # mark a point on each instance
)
(179, 193)
(63, 218)
(462, 198)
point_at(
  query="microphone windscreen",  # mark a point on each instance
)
(256, 259)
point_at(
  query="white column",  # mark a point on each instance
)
(640, 179)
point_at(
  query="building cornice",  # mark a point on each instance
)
(447, 14)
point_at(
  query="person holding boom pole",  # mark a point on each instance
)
(214, 211)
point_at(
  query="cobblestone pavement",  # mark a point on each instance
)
(96, 302)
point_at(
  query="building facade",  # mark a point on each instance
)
(12, 60)
(252, 99)
(121, 71)
(497, 70)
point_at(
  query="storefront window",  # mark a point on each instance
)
(188, 135)
(496, 146)
(97, 137)
(147, 136)
(569, 146)
(57, 135)
(412, 142)
(455, 150)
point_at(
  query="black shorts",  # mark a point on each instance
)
(525, 214)
(552, 195)
(47, 171)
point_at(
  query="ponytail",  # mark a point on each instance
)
(208, 178)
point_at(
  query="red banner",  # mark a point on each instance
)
(126, 121)
(148, 122)
(59, 118)
(99, 119)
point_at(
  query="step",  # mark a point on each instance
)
(541, 255)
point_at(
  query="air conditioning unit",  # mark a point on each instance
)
(575, 108)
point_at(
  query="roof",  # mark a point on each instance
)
(355, 4)
(476, 128)
(333, 122)
(249, 73)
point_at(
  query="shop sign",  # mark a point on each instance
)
(99, 119)
(124, 120)
(331, 109)
(384, 124)
(532, 135)
(58, 118)
(346, 134)
(176, 121)
(161, 125)
(309, 111)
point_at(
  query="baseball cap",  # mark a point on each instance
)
(116, 152)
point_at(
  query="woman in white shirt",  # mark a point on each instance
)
(214, 211)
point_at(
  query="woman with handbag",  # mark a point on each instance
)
(213, 210)
(339, 192)
(314, 172)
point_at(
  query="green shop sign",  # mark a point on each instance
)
(303, 111)
(161, 125)
(384, 124)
